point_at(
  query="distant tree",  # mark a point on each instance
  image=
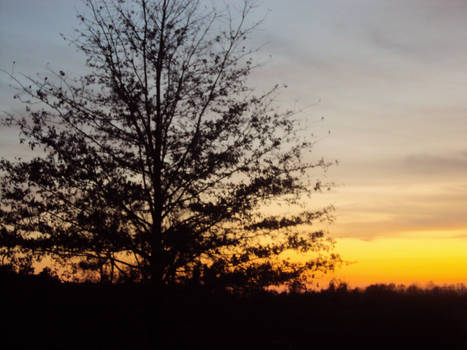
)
(156, 164)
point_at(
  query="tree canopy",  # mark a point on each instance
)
(156, 164)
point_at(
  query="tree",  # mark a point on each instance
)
(157, 163)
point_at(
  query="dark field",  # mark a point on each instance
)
(41, 313)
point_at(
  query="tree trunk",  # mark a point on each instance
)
(157, 249)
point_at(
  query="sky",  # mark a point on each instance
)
(389, 78)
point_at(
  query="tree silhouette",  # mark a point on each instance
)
(156, 163)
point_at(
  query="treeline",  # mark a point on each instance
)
(23, 282)
(91, 315)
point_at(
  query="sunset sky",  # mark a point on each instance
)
(390, 79)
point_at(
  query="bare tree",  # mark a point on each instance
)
(155, 165)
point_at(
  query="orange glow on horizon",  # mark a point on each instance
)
(419, 261)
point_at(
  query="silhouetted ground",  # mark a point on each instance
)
(42, 313)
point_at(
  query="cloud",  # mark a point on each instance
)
(426, 164)
(386, 210)
(387, 170)
(395, 196)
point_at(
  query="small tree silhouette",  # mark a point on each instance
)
(156, 163)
